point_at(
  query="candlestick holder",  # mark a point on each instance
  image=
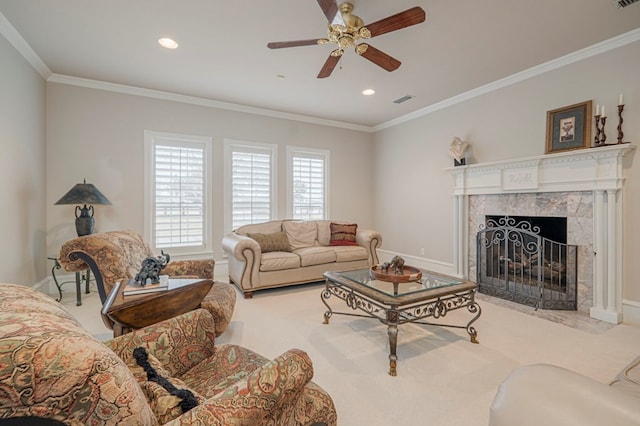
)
(596, 139)
(603, 137)
(620, 120)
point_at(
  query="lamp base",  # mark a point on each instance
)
(84, 225)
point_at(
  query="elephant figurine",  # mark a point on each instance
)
(151, 267)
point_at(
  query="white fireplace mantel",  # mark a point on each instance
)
(581, 170)
(596, 169)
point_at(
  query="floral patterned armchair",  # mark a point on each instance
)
(118, 255)
(51, 368)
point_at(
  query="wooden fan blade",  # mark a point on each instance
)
(328, 66)
(378, 57)
(293, 43)
(409, 17)
(329, 8)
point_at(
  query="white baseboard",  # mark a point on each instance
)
(630, 312)
(419, 262)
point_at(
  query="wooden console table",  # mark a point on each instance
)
(126, 313)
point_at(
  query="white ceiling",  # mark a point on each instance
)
(463, 45)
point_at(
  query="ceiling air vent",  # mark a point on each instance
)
(405, 98)
(625, 3)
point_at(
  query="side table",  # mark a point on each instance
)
(86, 276)
(126, 313)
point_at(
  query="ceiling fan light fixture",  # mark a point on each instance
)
(346, 29)
(368, 92)
(168, 43)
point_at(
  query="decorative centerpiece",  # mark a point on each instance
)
(395, 272)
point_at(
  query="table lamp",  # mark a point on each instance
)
(84, 193)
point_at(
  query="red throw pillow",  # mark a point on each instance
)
(343, 234)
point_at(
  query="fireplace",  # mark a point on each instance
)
(584, 186)
(526, 259)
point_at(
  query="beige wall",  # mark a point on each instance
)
(99, 135)
(22, 169)
(411, 158)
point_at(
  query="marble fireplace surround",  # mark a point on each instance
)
(585, 186)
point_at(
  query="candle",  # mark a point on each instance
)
(597, 109)
(603, 114)
(620, 100)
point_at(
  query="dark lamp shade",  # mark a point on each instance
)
(83, 193)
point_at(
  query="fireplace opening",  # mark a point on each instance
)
(526, 260)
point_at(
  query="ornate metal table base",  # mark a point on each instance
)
(393, 315)
(86, 277)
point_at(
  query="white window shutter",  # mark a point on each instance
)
(179, 185)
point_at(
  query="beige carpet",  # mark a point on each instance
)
(443, 379)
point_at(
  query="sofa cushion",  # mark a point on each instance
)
(343, 234)
(51, 367)
(277, 241)
(350, 253)
(228, 365)
(279, 260)
(300, 234)
(260, 228)
(324, 232)
(316, 255)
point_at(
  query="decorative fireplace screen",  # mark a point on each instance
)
(514, 262)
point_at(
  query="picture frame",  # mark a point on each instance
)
(569, 128)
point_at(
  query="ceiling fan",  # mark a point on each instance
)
(345, 29)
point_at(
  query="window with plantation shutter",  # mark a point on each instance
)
(178, 192)
(308, 183)
(250, 196)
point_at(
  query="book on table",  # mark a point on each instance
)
(134, 288)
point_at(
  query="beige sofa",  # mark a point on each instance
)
(543, 394)
(286, 252)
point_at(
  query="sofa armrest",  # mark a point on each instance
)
(178, 343)
(199, 268)
(244, 259)
(370, 240)
(265, 392)
(544, 394)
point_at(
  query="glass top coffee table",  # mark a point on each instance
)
(393, 303)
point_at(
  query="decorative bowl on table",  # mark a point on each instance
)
(408, 274)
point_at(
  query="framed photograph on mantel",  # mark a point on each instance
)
(569, 128)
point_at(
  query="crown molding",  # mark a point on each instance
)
(593, 50)
(13, 36)
(194, 100)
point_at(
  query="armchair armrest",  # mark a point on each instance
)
(244, 259)
(267, 390)
(198, 268)
(544, 394)
(370, 240)
(178, 343)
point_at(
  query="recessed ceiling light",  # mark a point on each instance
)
(368, 92)
(280, 76)
(168, 43)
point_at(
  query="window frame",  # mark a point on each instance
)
(231, 146)
(324, 155)
(151, 139)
